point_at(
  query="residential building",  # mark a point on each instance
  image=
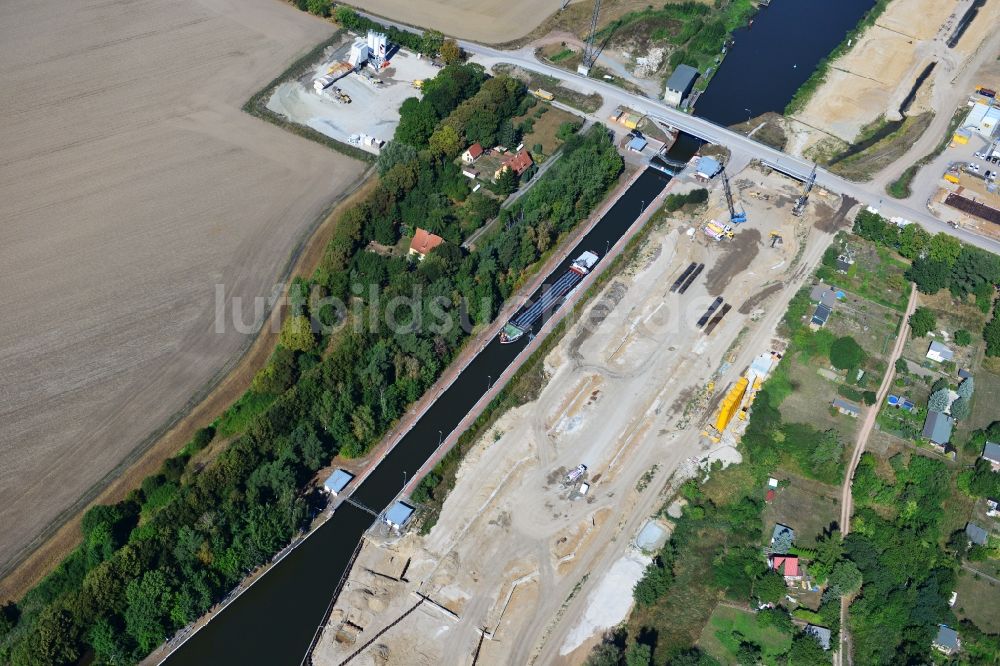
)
(939, 352)
(820, 317)
(787, 566)
(517, 162)
(977, 535)
(937, 428)
(847, 408)
(947, 640)
(821, 634)
(423, 242)
(679, 85)
(991, 453)
(824, 294)
(472, 153)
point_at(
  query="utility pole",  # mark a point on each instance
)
(589, 51)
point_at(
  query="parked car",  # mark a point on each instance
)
(980, 156)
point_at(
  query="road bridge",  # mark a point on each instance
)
(740, 144)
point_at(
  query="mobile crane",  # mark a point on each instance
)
(734, 217)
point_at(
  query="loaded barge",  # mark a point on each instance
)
(550, 299)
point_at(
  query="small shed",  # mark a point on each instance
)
(847, 408)
(337, 481)
(937, 428)
(991, 453)
(947, 639)
(397, 515)
(708, 167)
(781, 533)
(939, 352)
(977, 535)
(637, 144)
(821, 634)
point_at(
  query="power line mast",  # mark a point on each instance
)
(590, 51)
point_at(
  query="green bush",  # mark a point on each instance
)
(846, 353)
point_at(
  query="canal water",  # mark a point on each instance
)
(274, 621)
(771, 59)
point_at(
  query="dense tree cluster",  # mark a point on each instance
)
(941, 262)
(338, 380)
(907, 577)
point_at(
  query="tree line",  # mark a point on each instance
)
(159, 559)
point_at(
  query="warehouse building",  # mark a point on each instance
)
(679, 85)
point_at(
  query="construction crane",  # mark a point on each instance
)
(589, 50)
(800, 203)
(734, 217)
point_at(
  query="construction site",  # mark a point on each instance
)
(354, 92)
(559, 507)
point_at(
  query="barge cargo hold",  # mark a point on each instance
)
(551, 298)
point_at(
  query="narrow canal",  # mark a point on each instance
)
(273, 621)
(772, 58)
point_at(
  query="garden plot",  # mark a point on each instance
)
(374, 108)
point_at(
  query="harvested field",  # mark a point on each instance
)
(133, 185)
(488, 21)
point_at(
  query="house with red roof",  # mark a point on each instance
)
(423, 242)
(516, 162)
(787, 566)
(472, 153)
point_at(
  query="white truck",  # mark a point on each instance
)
(575, 473)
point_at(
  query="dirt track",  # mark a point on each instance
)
(131, 185)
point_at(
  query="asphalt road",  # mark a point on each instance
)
(742, 146)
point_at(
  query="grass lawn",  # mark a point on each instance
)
(872, 325)
(805, 505)
(545, 125)
(876, 275)
(978, 600)
(985, 400)
(810, 400)
(717, 638)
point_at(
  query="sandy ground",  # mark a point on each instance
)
(132, 184)
(875, 76)
(373, 110)
(519, 554)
